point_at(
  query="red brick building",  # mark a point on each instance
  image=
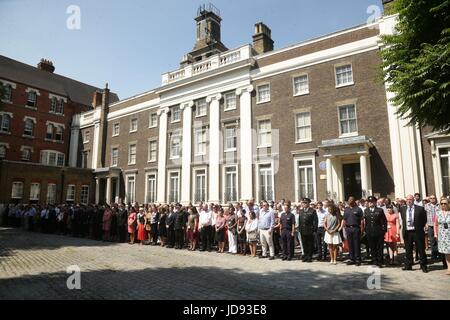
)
(35, 131)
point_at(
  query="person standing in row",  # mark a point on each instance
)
(287, 222)
(353, 216)
(265, 226)
(392, 235)
(192, 228)
(308, 226)
(180, 225)
(132, 225)
(154, 219)
(205, 220)
(141, 220)
(442, 232)
(333, 224)
(232, 231)
(252, 232)
(170, 226)
(375, 226)
(242, 234)
(431, 208)
(414, 219)
(220, 231)
(148, 228)
(162, 227)
(276, 234)
(320, 234)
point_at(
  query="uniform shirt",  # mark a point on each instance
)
(287, 220)
(353, 216)
(431, 212)
(321, 214)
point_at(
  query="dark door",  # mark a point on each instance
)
(352, 180)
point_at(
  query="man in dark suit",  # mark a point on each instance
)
(307, 226)
(414, 219)
(375, 226)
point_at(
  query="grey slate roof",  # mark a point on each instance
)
(76, 91)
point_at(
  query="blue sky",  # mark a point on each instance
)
(131, 43)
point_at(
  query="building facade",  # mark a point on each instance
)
(35, 134)
(309, 120)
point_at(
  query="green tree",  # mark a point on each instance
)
(416, 62)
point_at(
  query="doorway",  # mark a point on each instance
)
(352, 180)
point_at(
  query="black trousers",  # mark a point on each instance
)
(433, 243)
(206, 237)
(417, 239)
(154, 228)
(308, 245)
(179, 238)
(354, 243)
(376, 243)
(171, 237)
(276, 242)
(288, 242)
(320, 243)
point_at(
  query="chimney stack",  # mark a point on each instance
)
(262, 39)
(97, 98)
(46, 65)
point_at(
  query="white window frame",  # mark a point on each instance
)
(86, 136)
(116, 158)
(297, 138)
(267, 133)
(82, 194)
(336, 75)
(30, 91)
(172, 114)
(72, 194)
(194, 189)
(297, 159)
(10, 117)
(226, 98)
(147, 175)
(132, 120)
(204, 104)
(4, 146)
(169, 173)
(175, 134)
(294, 88)
(130, 161)
(59, 132)
(35, 196)
(150, 142)
(9, 86)
(49, 153)
(84, 156)
(22, 149)
(150, 125)
(258, 95)
(197, 142)
(350, 134)
(227, 126)
(31, 120)
(258, 182)
(17, 193)
(130, 192)
(224, 170)
(49, 199)
(116, 125)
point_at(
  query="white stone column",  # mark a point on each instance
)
(95, 146)
(74, 137)
(108, 190)
(214, 147)
(117, 190)
(246, 142)
(364, 174)
(97, 190)
(329, 178)
(186, 153)
(162, 150)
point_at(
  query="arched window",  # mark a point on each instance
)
(29, 127)
(5, 123)
(31, 99)
(49, 132)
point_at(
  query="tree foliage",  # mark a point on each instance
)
(416, 62)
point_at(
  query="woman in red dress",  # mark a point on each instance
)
(392, 235)
(141, 220)
(132, 224)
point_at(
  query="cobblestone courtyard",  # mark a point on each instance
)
(33, 266)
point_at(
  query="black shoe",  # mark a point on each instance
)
(424, 269)
(284, 258)
(407, 268)
(358, 263)
(350, 263)
(289, 259)
(271, 258)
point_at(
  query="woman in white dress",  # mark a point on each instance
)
(333, 224)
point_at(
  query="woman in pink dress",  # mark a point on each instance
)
(392, 235)
(141, 221)
(132, 224)
(107, 216)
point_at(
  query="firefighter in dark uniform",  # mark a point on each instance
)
(287, 221)
(353, 216)
(308, 222)
(375, 226)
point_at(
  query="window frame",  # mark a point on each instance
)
(130, 162)
(349, 134)
(224, 182)
(267, 133)
(204, 105)
(70, 186)
(132, 120)
(258, 94)
(178, 191)
(172, 113)
(147, 187)
(14, 192)
(235, 137)
(297, 76)
(34, 197)
(194, 187)
(149, 154)
(84, 193)
(114, 157)
(155, 125)
(297, 159)
(176, 134)
(53, 199)
(297, 138)
(258, 176)
(341, 65)
(203, 131)
(116, 125)
(225, 101)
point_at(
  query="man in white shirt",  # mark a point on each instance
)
(320, 234)
(205, 225)
(418, 199)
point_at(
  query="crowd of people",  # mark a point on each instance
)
(325, 231)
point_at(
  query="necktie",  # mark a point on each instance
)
(410, 217)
